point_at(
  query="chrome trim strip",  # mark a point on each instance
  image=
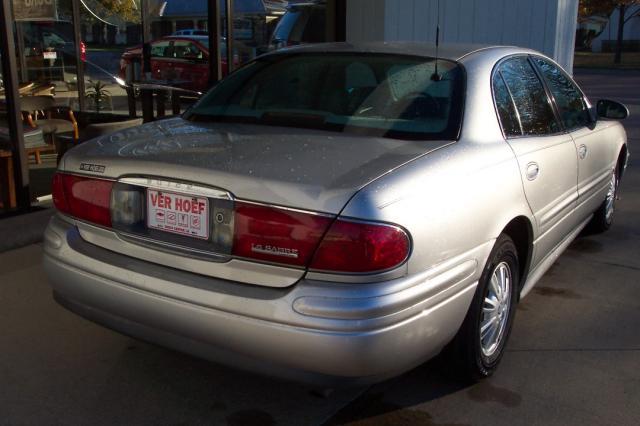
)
(86, 174)
(291, 209)
(176, 186)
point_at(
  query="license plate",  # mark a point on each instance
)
(178, 214)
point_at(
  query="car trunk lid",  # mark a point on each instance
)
(301, 168)
(225, 166)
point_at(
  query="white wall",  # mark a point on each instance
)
(610, 32)
(545, 25)
(365, 20)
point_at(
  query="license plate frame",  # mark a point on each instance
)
(179, 214)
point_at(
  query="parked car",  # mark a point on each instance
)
(191, 32)
(302, 23)
(339, 212)
(183, 59)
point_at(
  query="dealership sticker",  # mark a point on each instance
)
(177, 213)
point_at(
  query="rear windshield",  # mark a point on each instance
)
(391, 96)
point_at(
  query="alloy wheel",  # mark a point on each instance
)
(495, 309)
(611, 197)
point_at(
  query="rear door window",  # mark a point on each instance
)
(571, 105)
(187, 50)
(530, 98)
(509, 119)
(158, 49)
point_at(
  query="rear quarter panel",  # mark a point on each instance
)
(451, 201)
(461, 196)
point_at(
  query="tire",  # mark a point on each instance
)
(603, 217)
(477, 350)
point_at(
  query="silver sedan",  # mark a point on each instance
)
(339, 213)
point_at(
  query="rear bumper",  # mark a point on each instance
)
(296, 333)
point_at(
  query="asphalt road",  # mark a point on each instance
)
(573, 357)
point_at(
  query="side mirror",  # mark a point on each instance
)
(611, 109)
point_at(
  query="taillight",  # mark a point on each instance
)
(83, 52)
(276, 234)
(57, 193)
(260, 232)
(83, 197)
(352, 246)
(299, 238)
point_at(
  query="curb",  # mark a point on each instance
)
(22, 230)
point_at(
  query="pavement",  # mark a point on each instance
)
(573, 357)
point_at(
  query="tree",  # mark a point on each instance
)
(606, 7)
(113, 11)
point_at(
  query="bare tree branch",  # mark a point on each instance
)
(633, 15)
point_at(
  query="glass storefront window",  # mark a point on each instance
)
(6, 154)
(82, 62)
(47, 69)
(46, 50)
(280, 24)
(109, 30)
(304, 22)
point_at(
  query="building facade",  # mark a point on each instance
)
(606, 41)
(96, 62)
(545, 25)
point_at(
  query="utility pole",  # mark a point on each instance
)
(213, 26)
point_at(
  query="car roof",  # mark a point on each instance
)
(450, 51)
(199, 38)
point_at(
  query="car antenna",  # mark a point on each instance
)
(435, 76)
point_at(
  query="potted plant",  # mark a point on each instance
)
(98, 93)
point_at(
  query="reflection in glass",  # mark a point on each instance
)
(47, 65)
(380, 95)
(108, 28)
(532, 102)
(6, 178)
(304, 22)
(46, 51)
(5, 151)
(509, 118)
(571, 105)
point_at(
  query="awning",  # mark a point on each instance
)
(177, 8)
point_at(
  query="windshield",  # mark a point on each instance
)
(382, 95)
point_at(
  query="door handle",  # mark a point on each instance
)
(582, 151)
(533, 170)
